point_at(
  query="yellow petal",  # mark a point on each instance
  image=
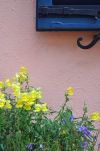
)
(7, 83)
(36, 94)
(1, 95)
(2, 103)
(23, 70)
(30, 102)
(19, 104)
(22, 77)
(27, 107)
(95, 116)
(1, 85)
(69, 91)
(37, 105)
(24, 96)
(44, 107)
(8, 105)
(37, 109)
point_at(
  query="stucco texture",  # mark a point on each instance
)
(53, 59)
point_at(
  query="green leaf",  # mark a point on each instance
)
(1, 147)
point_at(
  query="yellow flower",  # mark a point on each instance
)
(27, 106)
(1, 85)
(2, 103)
(30, 101)
(19, 104)
(22, 77)
(44, 107)
(24, 96)
(2, 100)
(15, 86)
(69, 91)
(41, 107)
(95, 116)
(1, 95)
(16, 93)
(7, 104)
(23, 70)
(22, 99)
(36, 94)
(16, 89)
(37, 108)
(7, 83)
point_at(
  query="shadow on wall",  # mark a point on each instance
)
(59, 49)
(66, 39)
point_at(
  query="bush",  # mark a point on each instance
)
(25, 124)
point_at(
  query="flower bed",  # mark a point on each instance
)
(25, 124)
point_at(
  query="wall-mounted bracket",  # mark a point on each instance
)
(67, 15)
(96, 38)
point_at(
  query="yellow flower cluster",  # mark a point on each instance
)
(1, 85)
(16, 89)
(27, 99)
(23, 99)
(41, 107)
(5, 85)
(4, 103)
(95, 116)
(21, 77)
(69, 91)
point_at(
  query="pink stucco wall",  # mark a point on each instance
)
(52, 58)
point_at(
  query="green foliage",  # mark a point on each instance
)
(32, 129)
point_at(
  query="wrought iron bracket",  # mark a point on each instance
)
(96, 38)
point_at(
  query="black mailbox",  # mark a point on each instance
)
(68, 15)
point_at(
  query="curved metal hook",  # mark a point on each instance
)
(91, 44)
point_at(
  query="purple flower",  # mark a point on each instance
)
(84, 144)
(71, 118)
(99, 145)
(29, 146)
(84, 130)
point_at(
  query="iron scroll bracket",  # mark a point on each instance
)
(96, 38)
(59, 18)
